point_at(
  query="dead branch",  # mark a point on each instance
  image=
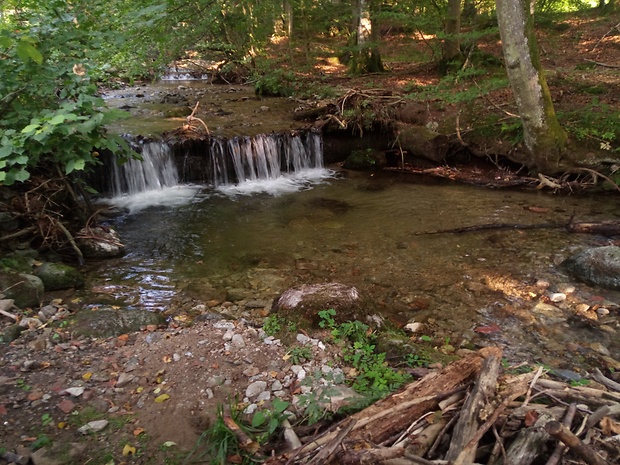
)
(562, 433)
(608, 383)
(617, 26)
(604, 65)
(556, 456)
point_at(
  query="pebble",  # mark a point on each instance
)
(238, 341)
(276, 386)
(255, 388)
(124, 379)
(250, 409)
(224, 325)
(303, 339)
(228, 335)
(263, 396)
(93, 426)
(557, 297)
(602, 311)
(251, 371)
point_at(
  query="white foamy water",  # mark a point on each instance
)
(295, 182)
(164, 197)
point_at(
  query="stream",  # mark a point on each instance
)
(232, 249)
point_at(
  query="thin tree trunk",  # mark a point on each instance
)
(452, 43)
(544, 139)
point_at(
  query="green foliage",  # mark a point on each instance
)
(273, 324)
(597, 122)
(277, 83)
(50, 116)
(375, 377)
(216, 444)
(265, 422)
(299, 355)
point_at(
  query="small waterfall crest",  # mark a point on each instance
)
(171, 173)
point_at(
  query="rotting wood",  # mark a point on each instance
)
(608, 383)
(529, 443)
(472, 411)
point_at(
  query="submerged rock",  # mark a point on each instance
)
(25, 289)
(56, 276)
(308, 300)
(599, 266)
(106, 322)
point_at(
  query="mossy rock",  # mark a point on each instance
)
(106, 322)
(56, 276)
(25, 289)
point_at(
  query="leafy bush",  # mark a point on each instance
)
(51, 119)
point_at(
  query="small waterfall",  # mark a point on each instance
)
(171, 174)
(155, 171)
(220, 162)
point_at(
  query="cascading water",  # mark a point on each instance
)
(271, 163)
(155, 171)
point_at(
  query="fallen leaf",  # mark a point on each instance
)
(138, 431)
(129, 450)
(610, 427)
(62, 425)
(86, 376)
(139, 389)
(488, 329)
(123, 337)
(530, 418)
(215, 366)
(162, 398)
(234, 459)
(169, 444)
(167, 359)
(286, 356)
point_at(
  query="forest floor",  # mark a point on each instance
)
(153, 392)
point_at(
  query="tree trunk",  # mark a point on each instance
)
(366, 57)
(452, 43)
(288, 18)
(543, 136)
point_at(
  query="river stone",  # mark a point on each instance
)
(25, 289)
(106, 322)
(56, 276)
(598, 266)
(99, 242)
(306, 301)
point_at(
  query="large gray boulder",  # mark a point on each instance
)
(303, 303)
(56, 276)
(599, 266)
(25, 289)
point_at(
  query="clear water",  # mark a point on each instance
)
(365, 230)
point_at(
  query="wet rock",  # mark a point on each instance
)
(308, 300)
(99, 242)
(107, 322)
(599, 266)
(57, 276)
(25, 289)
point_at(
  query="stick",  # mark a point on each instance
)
(562, 433)
(324, 456)
(9, 314)
(608, 383)
(559, 449)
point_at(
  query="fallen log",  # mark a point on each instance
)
(606, 228)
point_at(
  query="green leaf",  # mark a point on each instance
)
(30, 128)
(58, 119)
(258, 419)
(27, 51)
(5, 42)
(280, 405)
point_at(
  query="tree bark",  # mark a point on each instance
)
(452, 43)
(366, 57)
(544, 138)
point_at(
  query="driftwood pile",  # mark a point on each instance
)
(469, 413)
